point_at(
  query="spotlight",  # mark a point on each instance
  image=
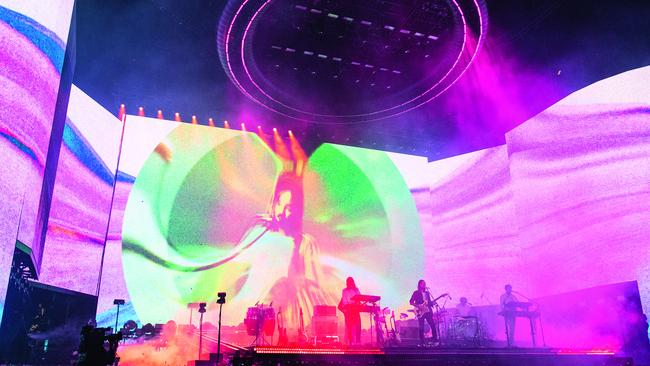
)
(290, 133)
(141, 111)
(243, 126)
(226, 124)
(118, 302)
(275, 130)
(160, 115)
(201, 311)
(221, 299)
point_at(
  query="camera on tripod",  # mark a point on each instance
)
(98, 346)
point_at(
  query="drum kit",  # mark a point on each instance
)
(452, 328)
(260, 322)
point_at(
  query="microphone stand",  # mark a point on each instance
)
(437, 323)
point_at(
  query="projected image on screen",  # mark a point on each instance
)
(241, 218)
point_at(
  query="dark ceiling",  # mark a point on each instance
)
(163, 55)
(341, 61)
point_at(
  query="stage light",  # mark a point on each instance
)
(141, 111)
(160, 115)
(280, 147)
(290, 133)
(264, 137)
(226, 124)
(177, 117)
(194, 120)
(210, 122)
(243, 126)
(121, 112)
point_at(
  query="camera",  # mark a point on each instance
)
(97, 346)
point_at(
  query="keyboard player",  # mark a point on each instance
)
(509, 298)
(350, 310)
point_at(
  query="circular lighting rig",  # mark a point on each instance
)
(341, 61)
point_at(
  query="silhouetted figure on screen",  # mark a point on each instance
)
(290, 275)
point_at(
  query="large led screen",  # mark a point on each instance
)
(81, 199)
(214, 209)
(32, 48)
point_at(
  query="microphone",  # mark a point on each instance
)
(264, 217)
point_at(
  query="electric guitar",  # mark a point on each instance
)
(283, 339)
(421, 309)
(302, 336)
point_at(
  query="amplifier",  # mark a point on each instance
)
(323, 326)
(324, 310)
(409, 329)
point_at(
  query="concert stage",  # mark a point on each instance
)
(414, 356)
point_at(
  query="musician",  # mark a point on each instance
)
(464, 308)
(421, 296)
(351, 313)
(506, 298)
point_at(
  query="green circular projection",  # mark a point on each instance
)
(197, 222)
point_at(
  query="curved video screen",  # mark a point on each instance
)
(213, 210)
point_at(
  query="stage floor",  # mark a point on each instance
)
(407, 356)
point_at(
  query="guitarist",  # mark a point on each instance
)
(351, 312)
(421, 300)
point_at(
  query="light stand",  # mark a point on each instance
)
(221, 300)
(117, 302)
(192, 306)
(201, 310)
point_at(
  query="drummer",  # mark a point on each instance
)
(464, 308)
